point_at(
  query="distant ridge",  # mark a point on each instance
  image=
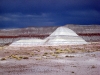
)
(90, 33)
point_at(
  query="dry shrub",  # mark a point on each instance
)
(25, 58)
(3, 59)
(18, 57)
(58, 51)
(69, 56)
(45, 54)
(72, 72)
(93, 66)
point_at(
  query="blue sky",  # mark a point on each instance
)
(24, 13)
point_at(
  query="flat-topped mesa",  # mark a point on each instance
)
(63, 31)
(64, 36)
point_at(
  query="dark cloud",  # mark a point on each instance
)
(21, 13)
(42, 6)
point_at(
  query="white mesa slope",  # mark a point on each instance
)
(28, 42)
(64, 36)
(61, 36)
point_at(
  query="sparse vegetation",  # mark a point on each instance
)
(53, 54)
(32, 54)
(74, 66)
(21, 57)
(45, 54)
(25, 57)
(58, 51)
(3, 59)
(69, 51)
(38, 58)
(69, 56)
(72, 71)
(93, 66)
(18, 57)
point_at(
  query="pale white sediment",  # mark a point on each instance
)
(61, 36)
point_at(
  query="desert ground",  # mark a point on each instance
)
(51, 60)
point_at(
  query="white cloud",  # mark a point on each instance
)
(8, 17)
(28, 19)
(3, 18)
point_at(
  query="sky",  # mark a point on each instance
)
(26, 13)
